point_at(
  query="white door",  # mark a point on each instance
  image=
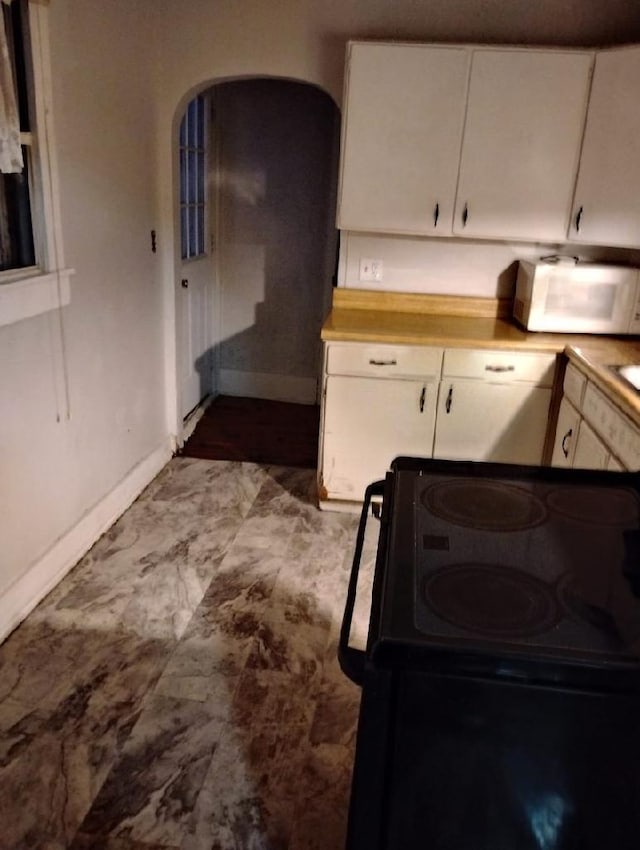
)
(524, 123)
(401, 137)
(367, 423)
(197, 275)
(491, 422)
(606, 208)
(197, 357)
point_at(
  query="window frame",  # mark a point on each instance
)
(33, 290)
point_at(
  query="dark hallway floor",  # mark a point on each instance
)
(257, 431)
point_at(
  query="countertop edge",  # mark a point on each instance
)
(591, 354)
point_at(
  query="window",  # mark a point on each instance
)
(16, 231)
(33, 279)
(193, 140)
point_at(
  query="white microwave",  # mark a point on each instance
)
(569, 297)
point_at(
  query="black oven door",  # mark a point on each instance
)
(452, 763)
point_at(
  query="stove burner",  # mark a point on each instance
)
(484, 505)
(585, 504)
(491, 600)
(576, 606)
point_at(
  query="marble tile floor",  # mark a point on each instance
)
(179, 688)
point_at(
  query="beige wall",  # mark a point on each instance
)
(480, 268)
(278, 148)
(106, 347)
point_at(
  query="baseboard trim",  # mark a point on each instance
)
(25, 593)
(190, 422)
(271, 387)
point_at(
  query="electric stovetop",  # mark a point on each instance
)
(532, 565)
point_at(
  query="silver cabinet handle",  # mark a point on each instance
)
(383, 362)
(565, 442)
(491, 368)
(423, 396)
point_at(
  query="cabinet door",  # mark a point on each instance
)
(564, 445)
(494, 422)
(401, 135)
(522, 136)
(368, 422)
(606, 208)
(591, 452)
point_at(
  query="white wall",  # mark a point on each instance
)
(57, 466)
(480, 268)
(277, 173)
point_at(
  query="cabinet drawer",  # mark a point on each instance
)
(503, 366)
(574, 384)
(384, 361)
(620, 434)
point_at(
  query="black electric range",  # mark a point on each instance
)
(501, 679)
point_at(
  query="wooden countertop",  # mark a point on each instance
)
(415, 329)
(396, 318)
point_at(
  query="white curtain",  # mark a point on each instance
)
(10, 150)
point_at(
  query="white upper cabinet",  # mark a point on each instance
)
(402, 129)
(606, 208)
(524, 124)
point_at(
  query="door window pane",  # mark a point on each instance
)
(193, 162)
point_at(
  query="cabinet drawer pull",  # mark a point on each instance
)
(383, 362)
(423, 396)
(465, 215)
(447, 404)
(436, 215)
(579, 219)
(491, 368)
(565, 442)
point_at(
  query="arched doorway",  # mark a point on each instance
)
(272, 176)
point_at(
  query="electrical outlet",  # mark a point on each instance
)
(371, 270)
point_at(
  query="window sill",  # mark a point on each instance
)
(32, 296)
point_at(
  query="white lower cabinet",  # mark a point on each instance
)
(593, 434)
(493, 405)
(564, 446)
(367, 423)
(382, 401)
(491, 422)
(591, 452)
